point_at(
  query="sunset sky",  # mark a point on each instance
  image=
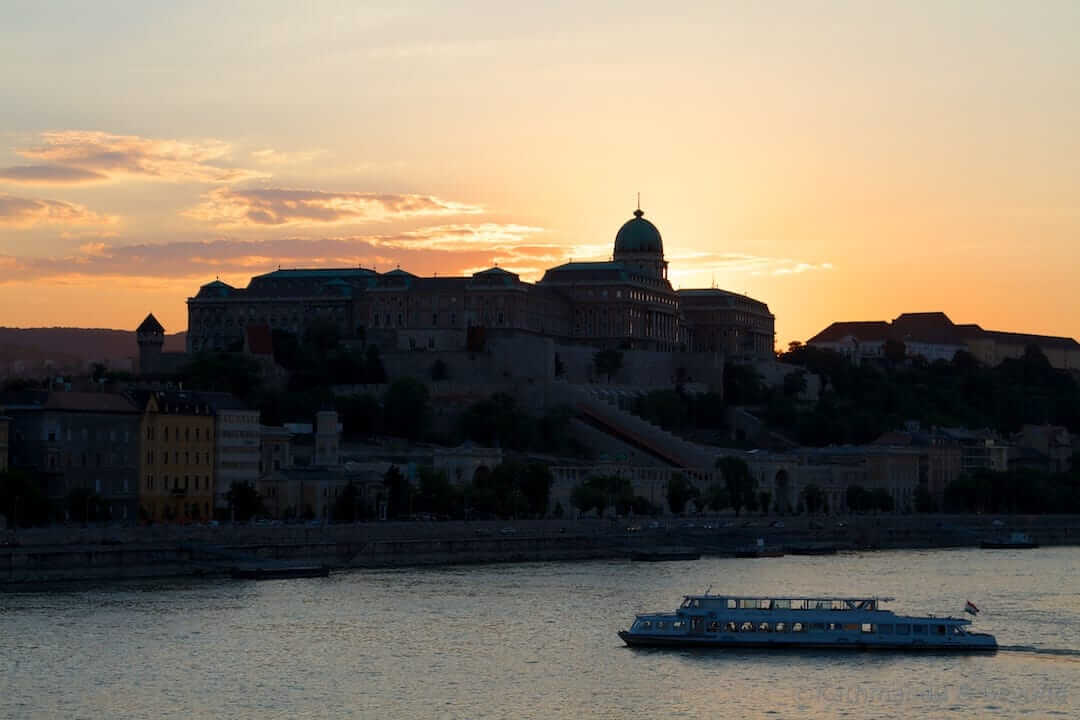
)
(837, 160)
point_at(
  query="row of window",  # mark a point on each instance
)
(190, 458)
(734, 626)
(53, 434)
(201, 483)
(176, 434)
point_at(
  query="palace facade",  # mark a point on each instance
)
(627, 302)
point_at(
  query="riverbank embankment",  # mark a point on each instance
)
(62, 554)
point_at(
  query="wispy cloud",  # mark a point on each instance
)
(226, 207)
(239, 259)
(49, 175)
(688, 265)
(272, 157)
(24, 212)
(110, 157)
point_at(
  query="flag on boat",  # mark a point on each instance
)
(969, 607)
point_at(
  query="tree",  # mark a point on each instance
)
(22, 500)
(584, 497)
(739, 482)
(794, 383)
(439, 371)
(716, 497)
(374, 372)
(881, 500)
(398, 492)
(346, 506)
(535, 481)
(84, 505)
(435, 493)
(858, 499)
(813, 498)
(244, 501)
(924, 501)
(763, 501)
(405, 408)
(894, 350)
(608, 362)
(680, 491)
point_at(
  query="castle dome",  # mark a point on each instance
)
(638, 236)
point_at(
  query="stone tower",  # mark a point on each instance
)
(151, 338)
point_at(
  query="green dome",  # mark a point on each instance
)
(638, 236)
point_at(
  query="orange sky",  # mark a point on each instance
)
(840, 161)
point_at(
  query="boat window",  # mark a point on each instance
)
(782, 604)
(885, 629)
(839, 605)
(645, 624)
(918, 629)
(660, 624)
(686, 603)
(798, 627)
(748, 603)
(764, 604)
(867, 628)
(746, 627)
(939, 629)
(903, 629)
(697, 603)
(817, 627)
(730, 626)
(732, 603)
(832, 627)
(956, 630)
(853, 627)
(818, 604)
(780, 627)
(763, 627)
(798, 604)
(714, 626)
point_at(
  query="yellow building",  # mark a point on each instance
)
(176, 459)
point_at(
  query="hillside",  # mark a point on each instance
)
(28, 351)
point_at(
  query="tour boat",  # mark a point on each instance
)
(772, 621)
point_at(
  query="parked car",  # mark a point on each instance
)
(777, 524)
(508, 531)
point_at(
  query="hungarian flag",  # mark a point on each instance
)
(969, 607)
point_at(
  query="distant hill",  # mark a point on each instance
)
(32, 351)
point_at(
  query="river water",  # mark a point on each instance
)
(534, 640)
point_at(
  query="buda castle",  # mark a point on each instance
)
(625, 303)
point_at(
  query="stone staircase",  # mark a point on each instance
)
(604, 407)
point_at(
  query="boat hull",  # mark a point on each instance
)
(690, 641)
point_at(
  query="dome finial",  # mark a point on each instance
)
(638, 212)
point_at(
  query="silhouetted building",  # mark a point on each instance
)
(934, 336)
(626, 302)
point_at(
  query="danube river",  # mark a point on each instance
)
(533, 640)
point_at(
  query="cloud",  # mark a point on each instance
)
(130, 156)
(49, 175)
(696, 264)
(200, 260)
(226, 207)
(270, 156)
(26, 212)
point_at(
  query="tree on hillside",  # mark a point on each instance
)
(739, 482)
(244, 502)
(813, 498)
(405, 408)
(716, 496)
(680, 491)
(608, 362)
(398, 493)
(347, 505)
